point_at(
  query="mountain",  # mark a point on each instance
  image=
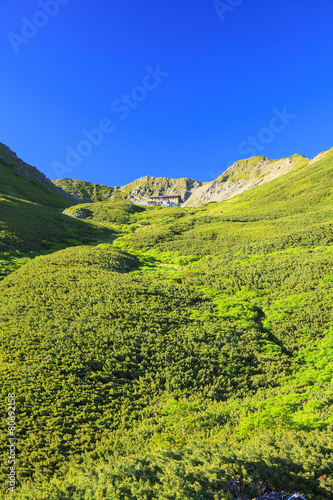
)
(181, 352)
(139, 190)
(136, 192)
(30, 213)
(84, 191)
(20, 180)
(241, 176)
(244, 175)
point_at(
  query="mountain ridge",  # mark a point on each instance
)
(239, 177)
(20, 180)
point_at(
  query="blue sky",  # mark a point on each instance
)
(110, 91)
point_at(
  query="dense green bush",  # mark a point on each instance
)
(26, 227)
(190, 355)
(102, 346)
(119, 212)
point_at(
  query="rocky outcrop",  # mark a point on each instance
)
(140, 190)
(242, 176)
(79, 213)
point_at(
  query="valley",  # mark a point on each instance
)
(182, 352)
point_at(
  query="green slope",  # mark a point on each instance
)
(85, 191)
(300, 190)
(31, 221)
(116, 212)
(190, 357)
(20, 180)
(28, 229)
(26, 226)
(293, 208)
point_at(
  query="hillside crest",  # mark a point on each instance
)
(241, 176)
(20, 180)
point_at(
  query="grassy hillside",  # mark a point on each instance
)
(111, 212)
(244, 175)
(190, 355)
(85, 191)
(127, 365)
(20, 180)
(294, 208)
(29, 229)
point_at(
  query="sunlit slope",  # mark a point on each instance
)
(107, 212)
(301, 190)
(182, 381)
(140, 190)
(26, 226)
(244, 175)
(295, 209)
(197, 353)
(23, 181)
(88, 347)
(240, 177)
(85, 192)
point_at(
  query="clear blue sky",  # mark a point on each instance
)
(179, 88)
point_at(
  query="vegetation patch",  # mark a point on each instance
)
(172, 353)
